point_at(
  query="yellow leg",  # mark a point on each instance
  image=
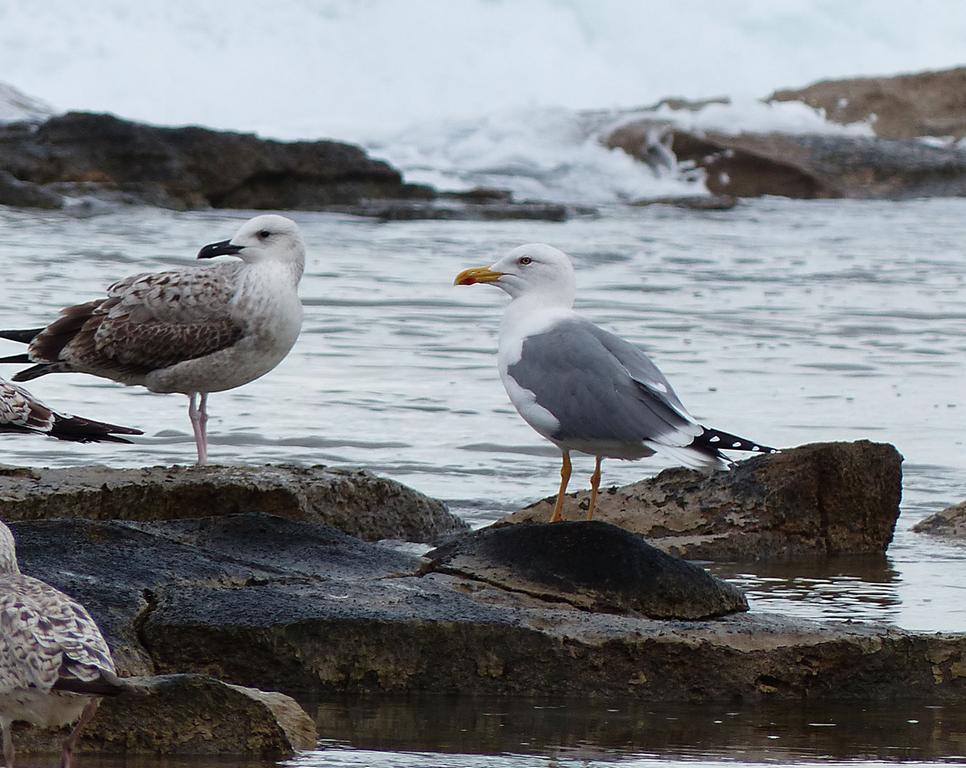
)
(594, 486)
(564, 479)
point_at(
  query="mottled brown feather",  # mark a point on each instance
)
(146, 322)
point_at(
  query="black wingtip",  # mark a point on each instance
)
(34, 372)
(24, 336)
(81, 430)
(717, 440)
(21, 358)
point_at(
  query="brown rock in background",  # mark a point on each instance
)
(903, 106)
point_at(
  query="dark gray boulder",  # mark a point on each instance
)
(591, 565)
(196, 167)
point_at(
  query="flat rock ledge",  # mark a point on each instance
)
(300, 608)
(187, 715)
(815, 500)
(354, 501)
(951, 522)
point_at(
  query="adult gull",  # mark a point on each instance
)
(54, 663)
(22, 412)
(193, 330)
(582, 388)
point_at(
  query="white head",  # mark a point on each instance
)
(532, 269)
(8, 551)
(265, 238)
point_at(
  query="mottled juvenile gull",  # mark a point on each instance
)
(581, 387)
(54, 663)
(193, 330)
(22, 412)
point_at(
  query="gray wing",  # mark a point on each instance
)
(147, 321)
(21, 410)
(46, 638)
(600, 387)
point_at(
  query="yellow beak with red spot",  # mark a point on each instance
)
(477, 275)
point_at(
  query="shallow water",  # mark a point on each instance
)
(788, 322)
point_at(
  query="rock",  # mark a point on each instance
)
(591, 565)
(950, 522)
(693, 202)
(196, 167)
(308, 611)
(122, 567)
(806, 165)
(898, 107)
(354, 501)
(814, 500)
(187, 715)
(23, 194)
(457, 210)
(118, 162)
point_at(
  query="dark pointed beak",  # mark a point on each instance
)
(224, 248)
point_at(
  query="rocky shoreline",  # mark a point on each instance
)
(269, 595)
(84, 159)
(910, 147)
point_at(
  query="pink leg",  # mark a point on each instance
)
(198, 426)
(203, 412)
(70, 744)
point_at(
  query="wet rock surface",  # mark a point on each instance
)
(950, 522)
(591, 565)
(804, 165)
(354, 501)
(298, 607)
(815, 500)
(189, 715)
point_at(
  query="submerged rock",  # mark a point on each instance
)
(950, 522)
(820, 499)
(459, 210)
(354, 501)
(304, 609)
(693, 202)
(187, 715)
(591, 565)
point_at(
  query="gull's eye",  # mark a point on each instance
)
(524, 260)
(263, 233)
